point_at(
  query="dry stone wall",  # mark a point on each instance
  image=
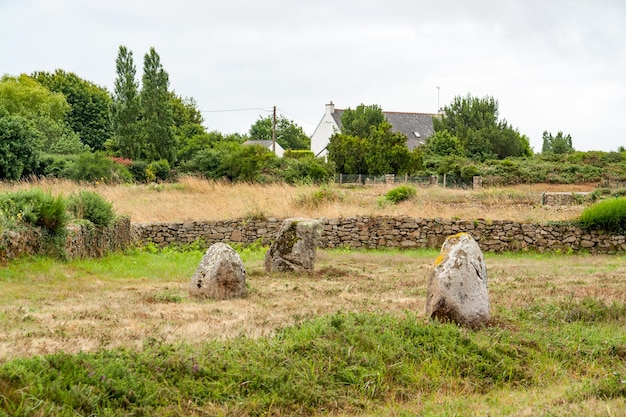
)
(393, 232)
(82, 241)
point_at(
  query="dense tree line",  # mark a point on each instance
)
(58, 124)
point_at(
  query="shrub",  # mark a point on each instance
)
(298, 154)
(90, 167)
(609, 215)
(89, 205)
(158, 170)
(36, 208)
(138, 170)
(306, 170)
(401, 193)
(599, 193)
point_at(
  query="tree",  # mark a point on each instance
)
(442, 143)
(359, 121)
(247, 163)
(559, 144)
(90, 106)
(127, 139)
(366, 145)
(46, 111)
(158, 124)
(191, 136)
(475, 123)
(18, 147)
(288, 134)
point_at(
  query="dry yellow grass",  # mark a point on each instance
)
(197, 199)
(65, 309)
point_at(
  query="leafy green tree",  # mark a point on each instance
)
(158, 123)
(475, 123)
(18, 147)
(24, 96)
(348, 153)
(366, 145)
(90, 106)
(559, 144)
(442, 143)
(359, 121)
(288, 134)
(191, 135)
(247, 163)
(386, 151)
(127, 140)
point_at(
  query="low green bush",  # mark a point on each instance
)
(89, 205)
(34, 207)
(609, 215)
(158, 170)
(400, 193)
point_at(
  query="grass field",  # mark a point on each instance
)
(556, 344)
(119, 336)
(196, 199)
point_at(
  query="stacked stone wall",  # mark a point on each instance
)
(563, 199)
(393, 232)
(82, 241)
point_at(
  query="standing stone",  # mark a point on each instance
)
(220, 275)
(457, 287)
(294, 247)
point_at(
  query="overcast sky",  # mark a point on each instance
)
(551, 64)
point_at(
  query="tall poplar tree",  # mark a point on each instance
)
(157, 121)
(127, 135)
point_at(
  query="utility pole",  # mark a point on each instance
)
(438, 108)
(274, 133)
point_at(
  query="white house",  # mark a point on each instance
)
(267, 144)
(417, 127)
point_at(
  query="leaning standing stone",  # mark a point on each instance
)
(294, 247)
(457, 288)
(220, 275)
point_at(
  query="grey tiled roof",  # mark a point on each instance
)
(266, 143)
(411, 124)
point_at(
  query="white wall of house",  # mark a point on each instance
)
(325, 129)
(279, 150)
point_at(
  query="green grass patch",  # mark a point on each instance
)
(345, 361)
(401, 193)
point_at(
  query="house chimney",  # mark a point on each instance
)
(330, 108)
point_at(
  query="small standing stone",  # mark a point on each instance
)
(457, 287)
(220, 275)
(295, 246)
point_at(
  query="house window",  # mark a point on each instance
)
(416, 133)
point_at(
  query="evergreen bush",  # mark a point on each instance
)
(89, 205)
